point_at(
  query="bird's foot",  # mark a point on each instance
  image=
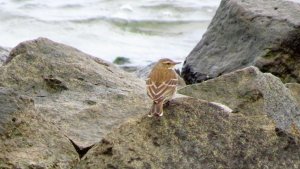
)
(150, 114)
(159, 114)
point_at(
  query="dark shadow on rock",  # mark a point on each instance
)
(80, 150)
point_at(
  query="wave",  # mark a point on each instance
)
(149, 27)
(159, 27)
(169, 7)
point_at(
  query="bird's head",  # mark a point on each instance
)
(167, 63)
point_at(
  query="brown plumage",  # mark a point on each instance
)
(161, 85)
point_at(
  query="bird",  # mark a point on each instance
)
(161, 85)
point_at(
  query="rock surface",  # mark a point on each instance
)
(27, 140)
(265, 34)
(85, 97)
(249, 91)
(196, 134)
(295, 90)
(144, 71)
(3, 55)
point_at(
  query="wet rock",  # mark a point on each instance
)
(196, 134)
(265, 34)
(27, 140)
(250, 92)
(85, 97)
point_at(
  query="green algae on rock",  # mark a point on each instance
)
(120, 60)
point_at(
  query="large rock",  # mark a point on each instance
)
(250, 92)
(265, 34)
(27, 140)
(83, 96)
(196, 134)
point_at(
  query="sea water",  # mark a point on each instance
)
(142, 31)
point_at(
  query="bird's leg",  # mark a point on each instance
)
(158, 108)
(160, 111)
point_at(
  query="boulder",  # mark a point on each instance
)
(27, 140)
(250, 92)
(265, 34)
(196, 134)
(83, 96)
(3, 55)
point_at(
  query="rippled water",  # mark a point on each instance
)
(143, 31)
(140, 30)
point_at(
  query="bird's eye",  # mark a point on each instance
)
(168, 63)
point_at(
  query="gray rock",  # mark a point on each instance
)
(250, 92)
(144, 71)
(196, 134)
(85, 97)
(265, 34)
(3, 55)
(27, 140)
(129, 68)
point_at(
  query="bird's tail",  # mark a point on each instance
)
(157, 109)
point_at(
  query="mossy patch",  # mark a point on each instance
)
(120, 60)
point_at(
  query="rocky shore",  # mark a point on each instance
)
(61, 108)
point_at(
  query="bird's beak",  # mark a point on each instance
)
(175, 63)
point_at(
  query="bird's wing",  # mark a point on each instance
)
(160, 91)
